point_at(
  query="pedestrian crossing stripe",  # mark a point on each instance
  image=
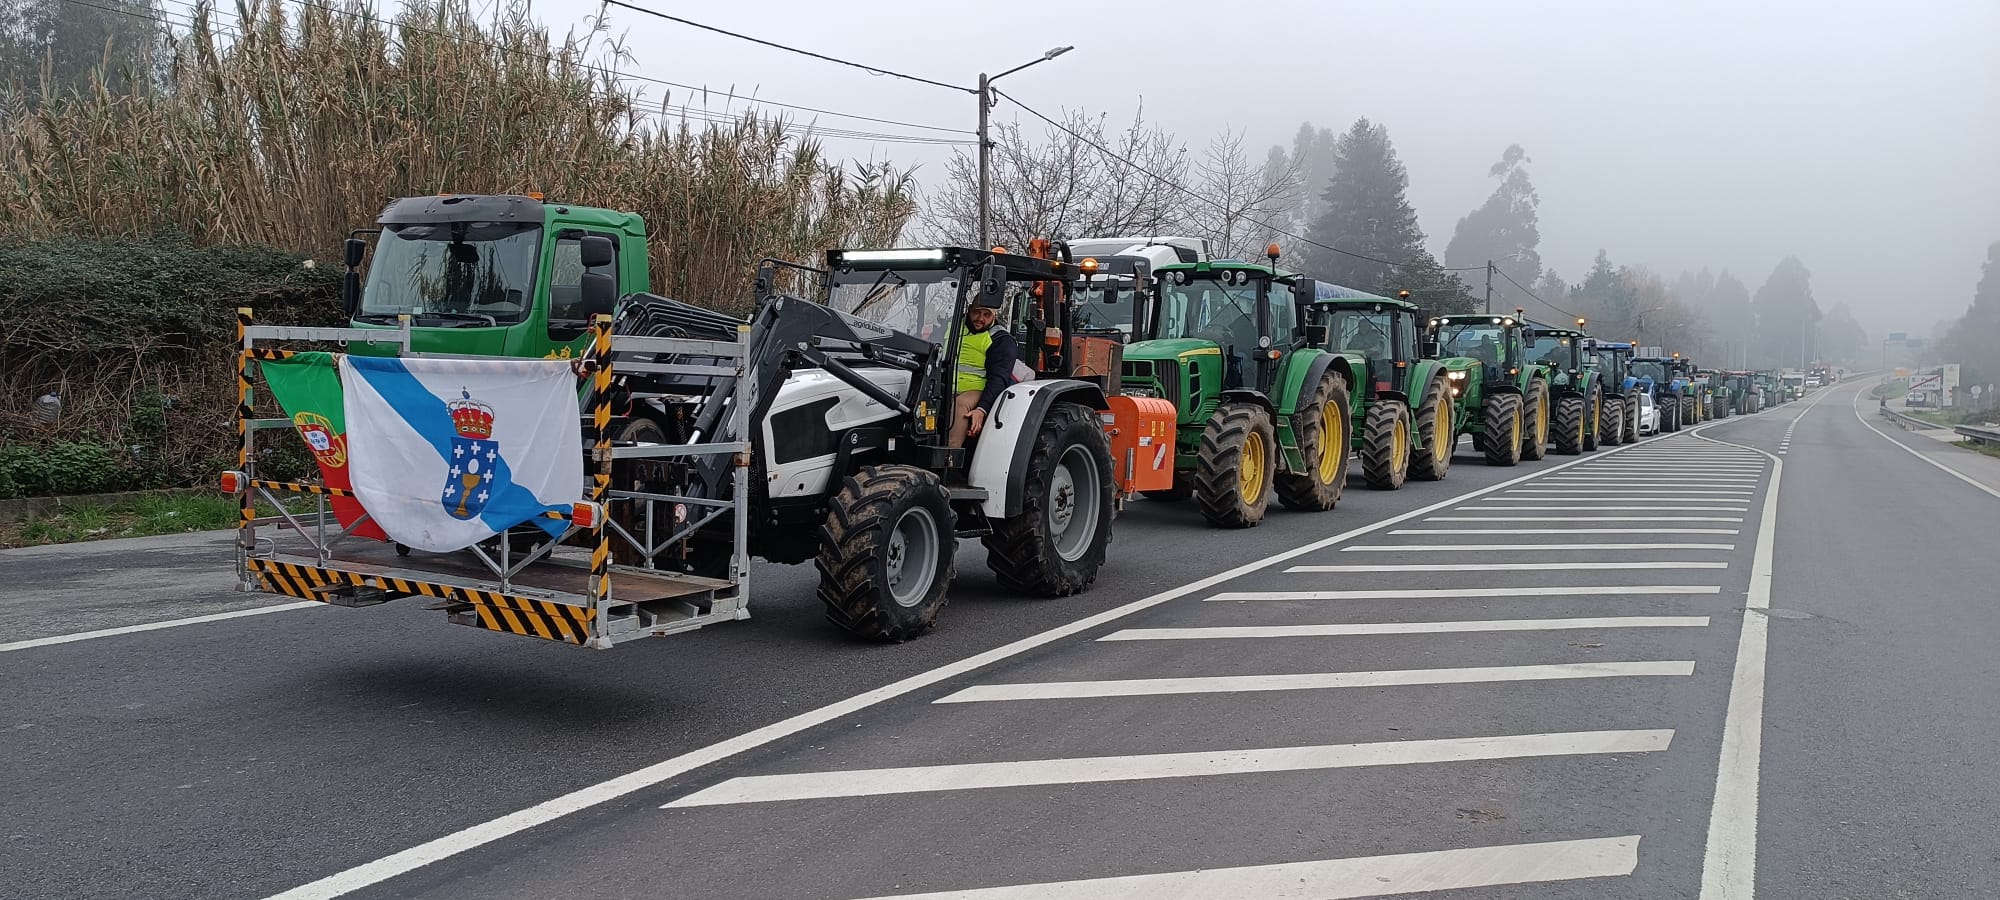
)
(493, 610)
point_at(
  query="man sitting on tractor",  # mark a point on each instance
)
(986, 358)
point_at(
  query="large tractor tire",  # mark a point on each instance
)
(1690, 412)
(1385, 445)
(1232, 477)
(1569, 426)
(1614, 422)
(886, 550)
(1321, 426)
(1056, 545)
(1434, 432)
(1670, 415)
(1631, 418)
(1502, 419)
(625, 475)
(1593, 422)
(1535, 406)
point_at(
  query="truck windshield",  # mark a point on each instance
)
(1208, 309)
(918, 302)
(470, 272)
(1480, 341)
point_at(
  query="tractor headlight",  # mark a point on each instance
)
(1458, 375)
(1140, 392)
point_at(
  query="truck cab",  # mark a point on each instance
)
(492, 275)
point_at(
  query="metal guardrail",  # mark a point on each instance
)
(1980, 433)
(1908, 422)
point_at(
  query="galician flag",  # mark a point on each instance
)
(445, 453)
(307, 386)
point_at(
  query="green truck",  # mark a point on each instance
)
(1263, 408)
(1501, 396)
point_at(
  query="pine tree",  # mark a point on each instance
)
(1503, 230)
(1367, 214)
(1786, 313)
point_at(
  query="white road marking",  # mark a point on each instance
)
(1729, 863)
(410, 859)
(1670, 491)
(1582, 519)
(1598, 508)
(1565, 531)
(1527, 548)
(1510, 567)
(1652, 481)
(1907, 449)
(1339, 879)
(1099, 769)
(1310, 681)
(1195, 633)
(1455, 593)
(154, 626)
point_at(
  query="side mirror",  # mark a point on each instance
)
(1317, 335)
(992, 284)
(599, 294)
(356, 248)
(1430, 348)
(766, 283)
(596, 251)
(1304, 290)
(1111, 293)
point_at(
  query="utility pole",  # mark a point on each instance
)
(985, 94)
(1489, 287)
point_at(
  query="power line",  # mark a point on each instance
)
(1225, 209)
(872, 70)
(718, 117)
(1524, 290)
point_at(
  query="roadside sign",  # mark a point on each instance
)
(1932, 382)
(1898, 336)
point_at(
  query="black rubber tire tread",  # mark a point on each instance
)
(1215, 476)
(1021, 551)
(1535, 441)
(850, 564)
(1379, 466)
(1567, 431)
(1631, 418)
(1670, 415)
(1501, 417)
(1689, 412)
(1426, 466)
(1303, 490)
(1593, 421)
(1614, 415)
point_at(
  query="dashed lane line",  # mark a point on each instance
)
(1099, 769)
(1337, 879)
(1529, 548)
(154, 626)
(1591, 531)
(1623, 590)
(1509, 566)
(1311, 681)
(1346, 629)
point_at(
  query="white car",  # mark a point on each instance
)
(1649, 417)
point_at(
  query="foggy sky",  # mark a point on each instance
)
(1862, 137)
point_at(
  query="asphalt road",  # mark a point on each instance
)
(1438, 720)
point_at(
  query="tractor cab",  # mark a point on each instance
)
(1490, 349)
(1561, 351)
(1379, 336)
(1229, 319)
(492, 275)
(1613, 362)
(1122, 269)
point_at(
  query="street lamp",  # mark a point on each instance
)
(986, 104)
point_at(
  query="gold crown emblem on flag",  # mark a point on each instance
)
(472, 418)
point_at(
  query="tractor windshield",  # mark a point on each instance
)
(1480, 340)
(471, 273)
(1105, 304)
(1555, 349)
(1360, 331)
(1208, 309)
(918, 302)
(1650, 368)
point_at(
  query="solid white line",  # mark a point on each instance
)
(1099, 769)
(1508, 567)
(1527, 548)
(1651, 481)
(1907, 449)
(1581, 519)
(1338, 879)
(1565, 531)
(1310, 681)
(1729, 863)
(410, 859)
(154, 626)
(1454, 593)
(1194, 633)
(1608, 491)
(1598, 508)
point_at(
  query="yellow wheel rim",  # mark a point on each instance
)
(1440, 432)
(1402, 443)
(1332, 440)
(1250, 473)
(1542, 420)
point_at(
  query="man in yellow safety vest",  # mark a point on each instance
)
(986, 357)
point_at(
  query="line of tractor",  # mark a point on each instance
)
(873, 411)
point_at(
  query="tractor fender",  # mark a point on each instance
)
(1241, 395)
(1303, 369)
(1000, 459)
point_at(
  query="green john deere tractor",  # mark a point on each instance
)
(1263, 409)
(1403, 407)
(1578, 390)
(1501, 396)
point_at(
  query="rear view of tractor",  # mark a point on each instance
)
(1262, 410)
(1578, 389)
(1404, 421)
(1501, 396)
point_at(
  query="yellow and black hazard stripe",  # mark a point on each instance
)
(494, 611)
(301, 487)
(268, 355)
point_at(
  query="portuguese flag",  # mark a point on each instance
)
(307, 386)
